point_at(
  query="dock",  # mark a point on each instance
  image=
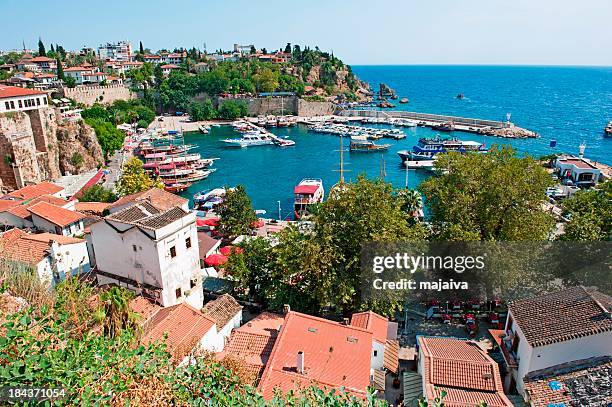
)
(494, 128)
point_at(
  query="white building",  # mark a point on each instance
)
(553, 329)
(167, 68)
(580, 171)
(384, 339)
(13, 98)
(78, 73)
(150, 250)
(119, 51)
(55, 219)
(52, 256)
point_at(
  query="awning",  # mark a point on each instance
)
(413, 388)
(378, 380)
(228, 250)
(215, 260)
(391, 361)
(207, 222)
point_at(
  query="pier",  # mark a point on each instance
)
(480, 126)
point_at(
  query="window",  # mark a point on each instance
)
(134, 247)
(188, 242)
(178, 293)
(37, 101)
(12, 104)
(20, 104)
(375, 353)
(192, 283)
(173, 251)
(7, 105)
(45, 100)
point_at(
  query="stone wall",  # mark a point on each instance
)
(306, 108)
(77, 139)
(89, 94)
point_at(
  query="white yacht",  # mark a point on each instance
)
(251, 138)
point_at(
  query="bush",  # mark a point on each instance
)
(232, 109)
(97, 193)
(109, 137)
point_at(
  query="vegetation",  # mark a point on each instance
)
(231, 109)
(489, 197)
(236, 213)
(590, 214)
(76, 159)
(66, 344)
(108, 135)
(135, 179)
(97, 193)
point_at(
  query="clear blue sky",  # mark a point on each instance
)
(555, 32)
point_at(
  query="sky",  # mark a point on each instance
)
(374, 32)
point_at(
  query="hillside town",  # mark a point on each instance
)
(101, 251)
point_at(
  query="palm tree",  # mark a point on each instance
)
(117, 311)
(411, 201)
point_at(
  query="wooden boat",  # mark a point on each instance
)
(176, 187)
(362, 144)
(448, 126)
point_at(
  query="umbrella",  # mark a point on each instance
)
(207, 222)
(227, 250)
(215, 260)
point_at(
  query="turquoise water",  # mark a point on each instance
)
(570, 105)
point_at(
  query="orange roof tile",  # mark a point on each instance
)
(6, 204)
(34, 191)
(335, 356)
(222, 310)
(185, 327)
(93, 207)
(463, 370)
(15, 91)
(55, 214)
(144, 307)
(372, 322)
(15, 245)
(48, 237)
(21, 210)
(157, 197)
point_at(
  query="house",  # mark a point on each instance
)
(13, 98)
(56, 219)
(15, 212)
(45, 79)
(156, 196)
(252, 343)
(462, 370)
(208, 245)
(36, 190)
(77, 73)
(93, 77)
(166, 69)
(553, 329)
(174, 58)
(52, 256)
(577, 170)
(44, 64)
(385, 347)
(227, 314)
(316, 351)
(580, 383)
(151, 248)
(184, 329)
(152, 59)
(201, 67)
(119, 51)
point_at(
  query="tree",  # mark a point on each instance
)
(236, 213)
(117, 314)
(264, 51)
(253, 50)
(41, 48)
(141, 48)
(70, 81)
(60, 70)
(288, 48)
(97, 193)
(109, 137)
(231, 109)
(135, 179)
(590, 214)
(493, 196)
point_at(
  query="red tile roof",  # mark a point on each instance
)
(169, 66)
(6, 204)
(21, 210)
(52, 237)
(335, 356)
(185, 327)
(41, 59)
(92, 207)
(16, 91)
(145, 308)
(77, 69)
(253, 342)
(563, 315)
(55, 214)
(16, 246)
(461, 369)
(372, 322)
(33, 191)
(157, 197)
(222, 310)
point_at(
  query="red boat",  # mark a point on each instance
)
(176, 187)
(307, 192)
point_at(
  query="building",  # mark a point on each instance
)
(14, 98)
(167, 68)
(93, 77)
(577, 170)
(15, 212)
(252, 343)
(119, 51)
(157, 197)
(185, 330)
(207, 245)
(153, 59)
(227, 314)
(52, 256)
(553, 329)
(151, 248)
(385, 347)
(201, 67)
(173, 58)
(56, 219)
(316, 351)
(462, 370)
(78, 73)
(44, 64)
(243, 49)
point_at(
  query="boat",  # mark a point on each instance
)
(460, 96)
(447, 126)
(204, 129)
(362, 144)
(176, 187)
(428, 148)
(608, 129)
(404, 100)
(309, 191)
(251, 138)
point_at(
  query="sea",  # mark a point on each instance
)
(570, 105)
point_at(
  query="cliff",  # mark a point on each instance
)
(79, 149)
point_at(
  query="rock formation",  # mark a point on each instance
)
(79, 149)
